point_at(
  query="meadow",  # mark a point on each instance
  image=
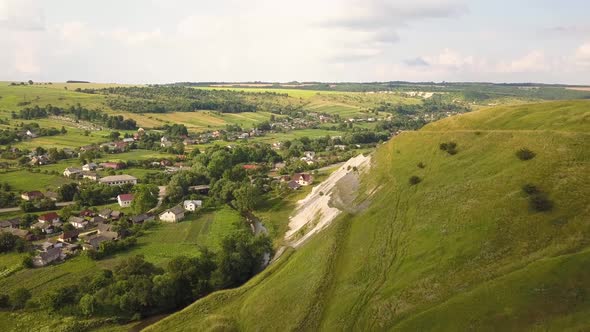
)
(158, 245)
(460, 250)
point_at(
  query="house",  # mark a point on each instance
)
(107, 231)
(174, 214)
(69, 236)
(309, 155)
(78, 223)
(93, 176)
(89, 167)
(293, 185)
(39, 160)
(97, 220)
(31, 134)
(304, 179)
(278, 166)
(93, 242)
(86, 213)
(192, 205)
(250, 167)
(340, 147)
(51, 195)
(118, 180)
(106, 213)
(10, 223)
(49, 218)
(47, 257)
(165, 142)
(142, 218)
(115, 166)
(68, 172)
(201, 189)
(116, 215)
(22, 233)
(31, 195)
(125, 200)
(44, 227)
(128, 140)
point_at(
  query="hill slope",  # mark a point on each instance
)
(460, 250)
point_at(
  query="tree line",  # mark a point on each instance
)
(80, 113)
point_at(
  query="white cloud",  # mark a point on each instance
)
(21, 15)
(582, 56)
(534, 61)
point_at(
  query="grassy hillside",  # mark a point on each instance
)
(460, 250)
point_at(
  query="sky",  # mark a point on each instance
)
(162, 41)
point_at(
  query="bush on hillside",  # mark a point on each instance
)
(530, 189)
(415, 180)
(449, 147)
(540, 203)
(421, 165)
(525, 154)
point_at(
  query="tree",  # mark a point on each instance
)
(219, 162)
(241, 257)
(246, 198)
(7, 242)
(525, 154)
(114, 135)
(30, 82)
(19, 298)
(415, 180)
(67, 191)
(63, 130)
(145, 197)
(88, 305)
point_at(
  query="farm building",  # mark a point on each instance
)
(118, 180)
(192, 205)
(174, 214)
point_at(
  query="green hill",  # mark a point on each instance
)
(461, 250)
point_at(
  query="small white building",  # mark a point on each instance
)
(193, 205)
(125, 200)
(174, 214)
(78, 223)
(71, 171)
(89, 167)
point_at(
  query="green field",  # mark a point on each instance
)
(158, 245)
(461, 250)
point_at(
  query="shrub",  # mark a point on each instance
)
(449, 147)
(525, 154)
(19, 298)
(415, 180)
(4, 301)
(540, 203)
(421, 165)
(530, 189)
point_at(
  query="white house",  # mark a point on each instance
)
(78, 223)
(89, 167)
(72, 171)
(192, 205)
(174, 214)
(125, 200)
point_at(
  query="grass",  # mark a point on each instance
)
(158, 245)
(23, 180)
(459, 251)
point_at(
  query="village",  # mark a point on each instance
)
(56, 237)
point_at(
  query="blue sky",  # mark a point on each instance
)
(157, 41)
